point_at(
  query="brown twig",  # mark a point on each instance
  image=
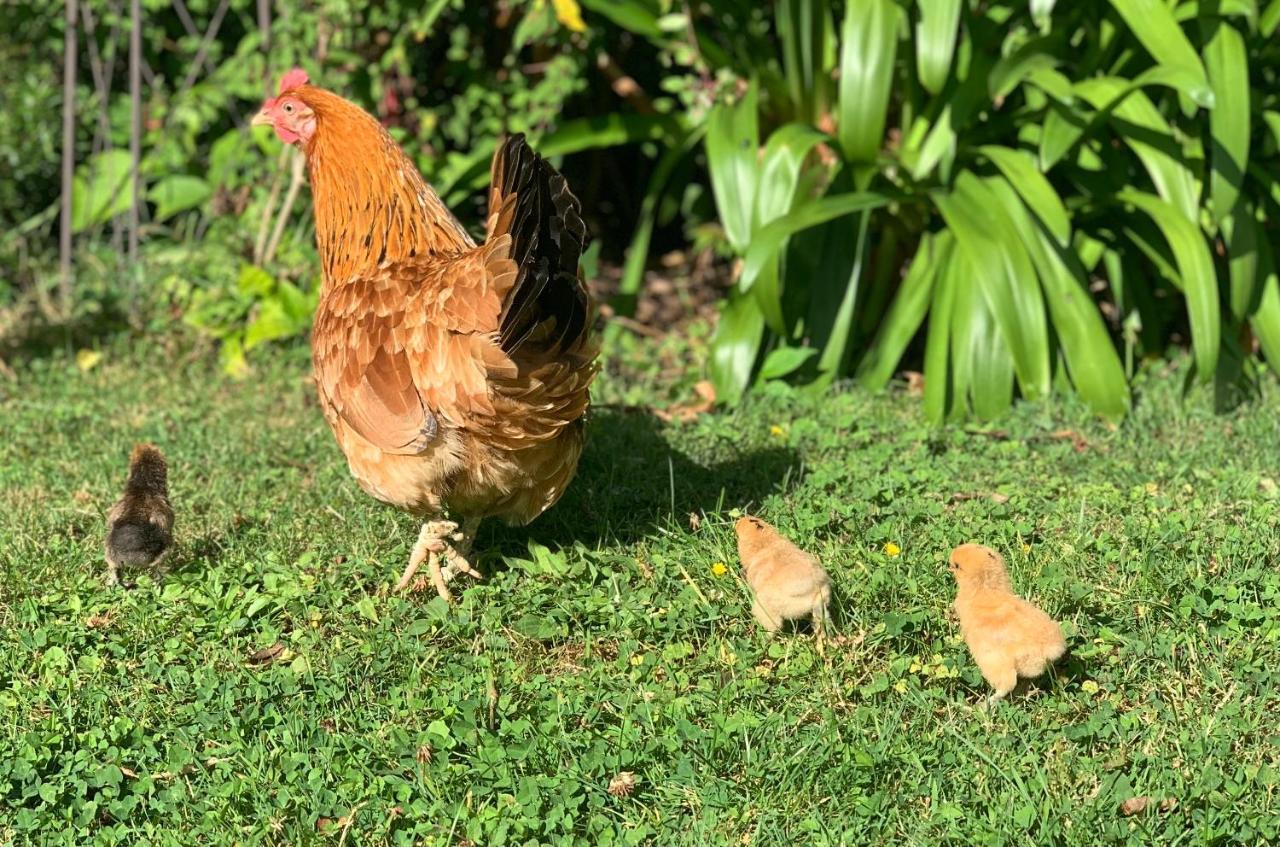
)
(295, 184)
(624, 85)
(264, 225)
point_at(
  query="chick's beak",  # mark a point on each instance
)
(261, 119)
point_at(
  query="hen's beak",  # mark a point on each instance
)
(261, 119)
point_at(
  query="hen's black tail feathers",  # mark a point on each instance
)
(548, 307)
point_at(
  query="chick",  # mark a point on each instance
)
(140, 524)
(1007, 636)
(788, 583)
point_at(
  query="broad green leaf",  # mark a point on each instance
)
(609, 130)
(986, 236)
(1269, 20)
(1266, 320)
(939, 145)
(907, 312)
(766, 242)
(937, 377)
(178, 193)
(631, 15)
(780, 169)
(804, 27)
(102, 188)
(254, 281)
(1053, 83)
(1091, 358)
(1228, 67)
(638, 250)
(1063, 127)
(1011, 70)
(784, 156)
(1020, 169)
(868, 48)
(1195, 272)
(733, 144)
(270, 323)
(785, 360)
(936, 35)
(1152, 21)
(1240, 231)
(734, 347)
(981, 369)
(1146, 131)
(834, 352)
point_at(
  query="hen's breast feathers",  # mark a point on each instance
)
(493, 340)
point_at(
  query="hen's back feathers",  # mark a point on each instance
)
(547, 308)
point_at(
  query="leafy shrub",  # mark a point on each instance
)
(1041, 187)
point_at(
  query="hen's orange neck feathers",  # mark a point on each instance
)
(371, 204)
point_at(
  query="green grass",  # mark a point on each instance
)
(602, 640)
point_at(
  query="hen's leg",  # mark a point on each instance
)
(427, 543)
(458, 550)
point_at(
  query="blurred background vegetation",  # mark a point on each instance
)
(1013, 198)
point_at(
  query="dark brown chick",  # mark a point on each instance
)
(140, 524)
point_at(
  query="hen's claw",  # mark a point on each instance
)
(444, 547)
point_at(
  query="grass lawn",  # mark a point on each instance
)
(606, 639)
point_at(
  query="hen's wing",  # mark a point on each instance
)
(494, 339)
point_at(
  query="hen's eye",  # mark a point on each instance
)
(288, 107)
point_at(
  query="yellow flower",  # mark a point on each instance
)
(569, 14)
(891, 549)
(777, 431)
(1152, 488)
(719, 569)
(1089, 687)
(1026, 548)
(900, 686)
(637, 659)
(915, 668)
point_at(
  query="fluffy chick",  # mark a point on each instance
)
(140, 524)
(788, 583)
(1007, 636)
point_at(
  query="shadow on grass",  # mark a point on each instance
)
(631, 479)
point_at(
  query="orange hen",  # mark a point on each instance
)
(455, 376)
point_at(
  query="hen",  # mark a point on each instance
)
(455, 376)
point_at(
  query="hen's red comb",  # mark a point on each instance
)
(292, 79)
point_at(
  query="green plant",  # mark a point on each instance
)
(1036, 185)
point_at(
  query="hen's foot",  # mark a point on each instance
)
(444, 548)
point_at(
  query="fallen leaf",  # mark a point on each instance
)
(695, 521)
(915, 382)
(99, 621)
(129, 772)
(994, 496)
(1134, 806)
(684, 413)
(323, 824)
(266, 654)
(1168, 804)
(87, 359)
(1077, 440)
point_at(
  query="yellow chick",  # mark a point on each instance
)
(788, 583)
(1007, 636)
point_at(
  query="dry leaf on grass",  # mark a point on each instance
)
(1138, 805)
(994, 496)
(266, 654)
(684, 413)
(915, 382)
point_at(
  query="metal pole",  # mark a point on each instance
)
(135, 127)
(68, 153)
